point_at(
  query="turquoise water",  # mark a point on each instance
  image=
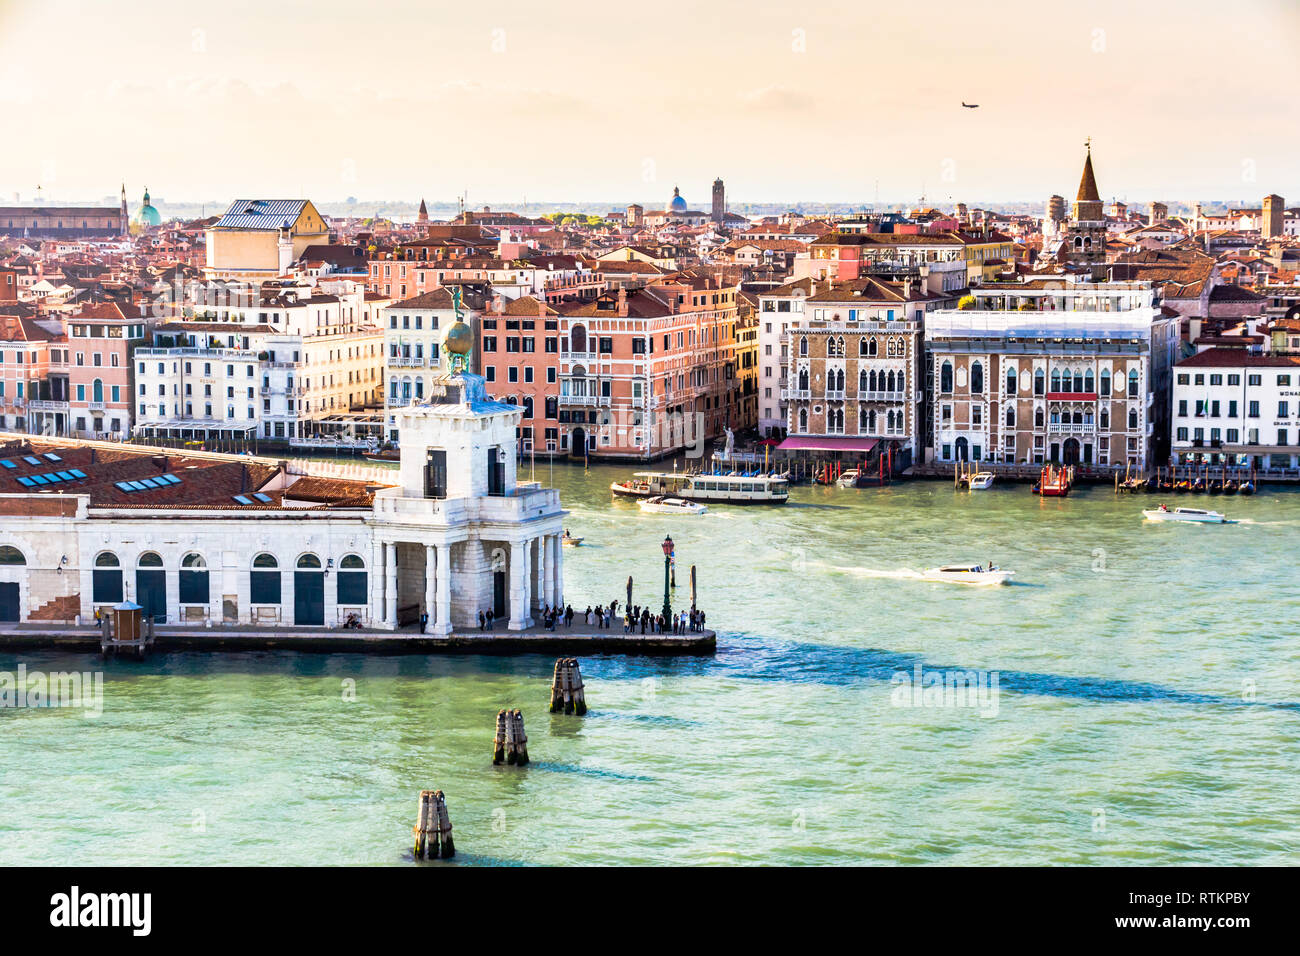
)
(1148, 706)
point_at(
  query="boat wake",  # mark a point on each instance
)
(901, 574)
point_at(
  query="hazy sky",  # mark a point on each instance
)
(618, 101)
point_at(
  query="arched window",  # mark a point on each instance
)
(863, 345)
(871, 382)
(1088, 381)
(308, 562)
(1056, 379)
(839, 380)
(1011, 416)
(873, 349)
(194, 579)
(1078, 380)
(1103, 418)
(803, 345)
(97, 390)
(977, 377)
(106, 579)
(578, 336)
(1132, 383)
(1038, 381)
(353, 581)
(1105, 381)
(803, 380)
(150, 559)
(871, 420)
(1038, 418)
(1011, 381)
(1132, 418)
(1078, 417)
(11, 555)
(862, 380)
(264, 580)
(803, 419)
(945, 377)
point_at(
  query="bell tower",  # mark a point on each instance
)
(1084, 235)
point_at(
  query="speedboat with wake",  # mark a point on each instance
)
(976, 574)
(1193, 515)
(663, 505)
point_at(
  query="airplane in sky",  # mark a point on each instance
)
(970, 106)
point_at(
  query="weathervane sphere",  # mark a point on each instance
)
(459, 339)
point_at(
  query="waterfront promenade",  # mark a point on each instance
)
(315, 640)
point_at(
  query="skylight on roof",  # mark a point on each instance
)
(25, 481)
(50, 456)
(77, 473)
(241, 500)
(7, 463)
(30, 460)
(262, 498)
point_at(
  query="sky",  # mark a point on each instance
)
(580, 102)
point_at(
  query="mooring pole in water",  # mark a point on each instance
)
(433, 828)
(516, 739)
(499, 745)
(566, 688)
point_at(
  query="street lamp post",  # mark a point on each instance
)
(668, 557)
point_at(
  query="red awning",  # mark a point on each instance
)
(1071, 396)
(828, 443)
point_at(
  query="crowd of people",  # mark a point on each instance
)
(603, 616)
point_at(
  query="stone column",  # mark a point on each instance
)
(390, 584)
(557, 571)
(518, 592)
(443, 625)
(543, 565)
(430, 583)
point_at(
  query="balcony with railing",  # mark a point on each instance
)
(790, 394)
(1071, 428)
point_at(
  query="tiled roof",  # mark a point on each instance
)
(261, 214)
(1238, 358)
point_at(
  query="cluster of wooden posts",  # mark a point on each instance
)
(566, 688)
(510, 746)
(433, 828)
(511, 742)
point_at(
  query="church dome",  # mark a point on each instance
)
(148, 215)
(677, 203)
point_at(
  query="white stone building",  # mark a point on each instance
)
(1232, 406)
(211, 540)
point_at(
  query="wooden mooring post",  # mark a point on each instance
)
(566, 688)
(511, 745)
(433, 828)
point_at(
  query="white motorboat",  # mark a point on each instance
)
(1195, 515)
(968, 574)
(663, 505)
(849, 479)
(569, 540)
(981, 481)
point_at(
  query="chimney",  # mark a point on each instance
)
(907, 288)
(622, 302)
(541, 308)
(498, 304)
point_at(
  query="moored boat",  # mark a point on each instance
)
(975, 574)
(1194, 515)
(723, 489)
(665, 505)
(981, 481)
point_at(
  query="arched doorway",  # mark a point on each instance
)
(578, 443)
(963, 449)
(499, 584)
(151, 587)
(12, 568)
(309, 591)
(1070, 452)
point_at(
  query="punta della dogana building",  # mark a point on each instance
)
(219, 540)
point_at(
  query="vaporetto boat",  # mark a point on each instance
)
(1194, 515)
(725, 489)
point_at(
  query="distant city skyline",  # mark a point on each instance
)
(400, 101)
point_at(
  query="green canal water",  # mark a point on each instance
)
(1148, 706)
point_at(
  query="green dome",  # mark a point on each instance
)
(148, 215)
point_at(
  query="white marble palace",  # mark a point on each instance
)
(219, 540)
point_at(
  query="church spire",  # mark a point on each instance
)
(1088, 183)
